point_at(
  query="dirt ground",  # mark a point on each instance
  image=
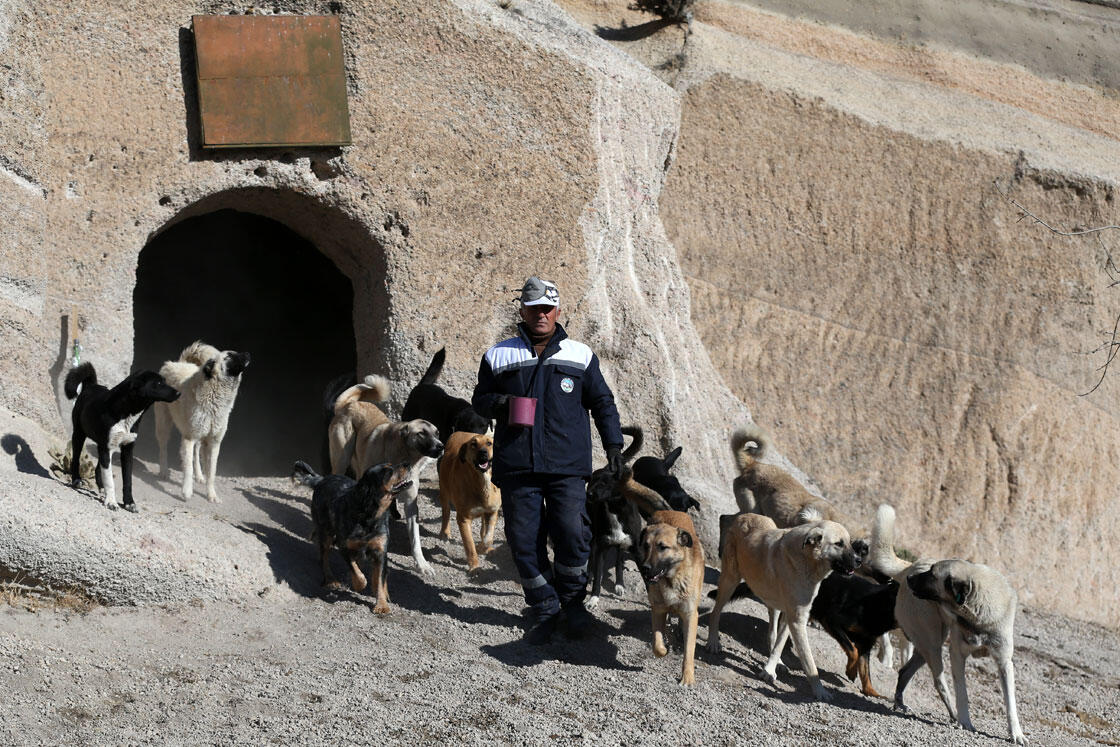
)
(297, 665)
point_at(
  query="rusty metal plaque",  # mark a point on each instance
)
(271, 81)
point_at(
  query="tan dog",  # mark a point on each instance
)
(464, 483)
(672, 563)
(361, 435)
(356, 415)
(784, 568)
(970, 604)
(768, 489)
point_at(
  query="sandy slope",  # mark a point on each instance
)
(293, 665)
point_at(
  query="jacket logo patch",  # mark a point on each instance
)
(567, 385)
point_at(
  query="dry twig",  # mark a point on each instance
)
(1112, 341)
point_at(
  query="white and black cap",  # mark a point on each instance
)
(537, 292)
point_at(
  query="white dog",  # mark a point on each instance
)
(970, 604)
(208, 379)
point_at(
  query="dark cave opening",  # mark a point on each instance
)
(240, 281)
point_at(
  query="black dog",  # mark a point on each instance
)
(856, 611)
(428, 401)
(354, 517)
(615, 521)
(654, 473)
(110, 418)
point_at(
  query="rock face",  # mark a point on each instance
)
(859, 281)
(832, 246)
(489, 144)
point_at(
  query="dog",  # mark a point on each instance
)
(856, 612)
(428, 401)
(618, 509)
(111, 418)
(464, 483)
(654, 473)
(784, 568)
(362, 435)
(672, 564)
(331, 392)
(970, 604)
(209, 379)
(353, 516)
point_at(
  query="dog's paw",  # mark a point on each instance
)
(902, 708)
(333, 586)
(771, 677)
(591, 603)
(659, 649)
(131, 508)
(687, 680)
(381, 609)
(822, 695)
(713, 646)
(1019, 739)
(425, 568)
(213, 498)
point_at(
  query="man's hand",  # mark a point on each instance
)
(500, 409)
(614, 461)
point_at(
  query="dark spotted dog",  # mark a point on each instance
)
(110, 418)
(353, 516)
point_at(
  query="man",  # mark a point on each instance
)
(542, 469)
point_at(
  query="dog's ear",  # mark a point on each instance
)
(814, 538)
(684, 539)
(463, 451)
(208, 368)
(959, 589)
(672, 458)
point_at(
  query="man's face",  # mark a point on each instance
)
(540, 319)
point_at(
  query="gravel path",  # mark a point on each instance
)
(289, 664)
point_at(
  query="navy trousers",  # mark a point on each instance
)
(537, 508)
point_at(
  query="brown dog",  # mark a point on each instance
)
(784, 568)
(464, 482)
(672, 563)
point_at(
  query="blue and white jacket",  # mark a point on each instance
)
(568, 384)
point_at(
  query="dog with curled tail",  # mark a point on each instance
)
(970, 604)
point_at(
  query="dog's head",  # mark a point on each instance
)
(949, 581)
(149, 386)
(478, 452)
(827, 541)
(423, 438)
(228, 364)
(381, 483)
(602, 487)
(661, 549)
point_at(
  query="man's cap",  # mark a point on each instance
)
(537, 292)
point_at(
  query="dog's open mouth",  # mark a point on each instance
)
(483, 462)
(402, 485)
(652, 577)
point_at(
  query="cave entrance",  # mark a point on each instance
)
(242, 281)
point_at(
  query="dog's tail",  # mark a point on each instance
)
(808, 514)
(882, 557)
(199, 352)
(638, 438)
(303, 474)
(748, 444)
(77, 377)
(435, 367)
(372, 388)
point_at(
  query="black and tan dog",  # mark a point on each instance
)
(464, 484)
(856, 611)
(353, 516)
(672, 564)
(110, 417)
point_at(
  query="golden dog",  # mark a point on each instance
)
(672, 563)
(784, 568)
(464, 483)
